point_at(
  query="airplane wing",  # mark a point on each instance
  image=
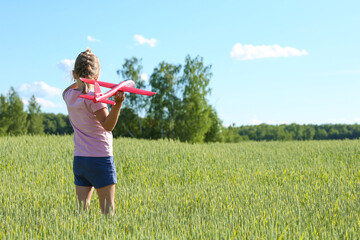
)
(107, 101)
(103, 84)
(125, 86)
(101, 100)
(137, 91)
(87, 97)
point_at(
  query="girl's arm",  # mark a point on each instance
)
(109, 120)
(74, 85)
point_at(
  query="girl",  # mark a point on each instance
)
(93, 164)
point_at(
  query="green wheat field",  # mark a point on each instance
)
(172, 190)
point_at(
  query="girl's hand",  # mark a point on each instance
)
(119, 97)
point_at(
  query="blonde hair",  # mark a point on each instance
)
(87, 65)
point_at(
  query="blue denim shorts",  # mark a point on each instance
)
(94, 171)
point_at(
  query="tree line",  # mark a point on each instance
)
(179, 111)
(289, 132)
(14, 120)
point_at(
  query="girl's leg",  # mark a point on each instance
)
(84, 196)
(106, 199)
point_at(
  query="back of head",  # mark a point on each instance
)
(86, 66)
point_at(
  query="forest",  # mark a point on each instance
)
(180, 111)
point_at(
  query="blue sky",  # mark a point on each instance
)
(272, 61)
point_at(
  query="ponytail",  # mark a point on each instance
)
(86, 66)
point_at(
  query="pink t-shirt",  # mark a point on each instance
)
(90, 138)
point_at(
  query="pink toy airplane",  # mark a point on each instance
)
(125, 86)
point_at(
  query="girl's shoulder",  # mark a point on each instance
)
(69, 89)
(71, 97)
(71, 94)
(67, 93)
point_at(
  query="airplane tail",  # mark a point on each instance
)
(97, 90)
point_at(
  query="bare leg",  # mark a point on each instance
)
(106, 199)
(84, 196)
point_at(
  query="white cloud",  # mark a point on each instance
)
(92, 39)
(44, 103)
(255, 121)
(247, 52)
(357, 120)
(142, 40)
(144, 77)
(66, 65)
(277, 123)
(342, 120)
(38, 89)
(47, 103)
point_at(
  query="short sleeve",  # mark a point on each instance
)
(66, 95)
(97, 106)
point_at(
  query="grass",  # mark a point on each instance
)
(172, 190)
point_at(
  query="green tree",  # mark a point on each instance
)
(132, 69)
(355, 131)
(4, 118)
(56, 124)
(49, 122)
(194, 121)
(63, 125)
(165, 104)
(333, 132)
(127, 124)
(34, 118)
(321, 133)
(309, 132)
(15, 113)
(233, 134)
(214, 132)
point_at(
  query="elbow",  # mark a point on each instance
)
(109, 129)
